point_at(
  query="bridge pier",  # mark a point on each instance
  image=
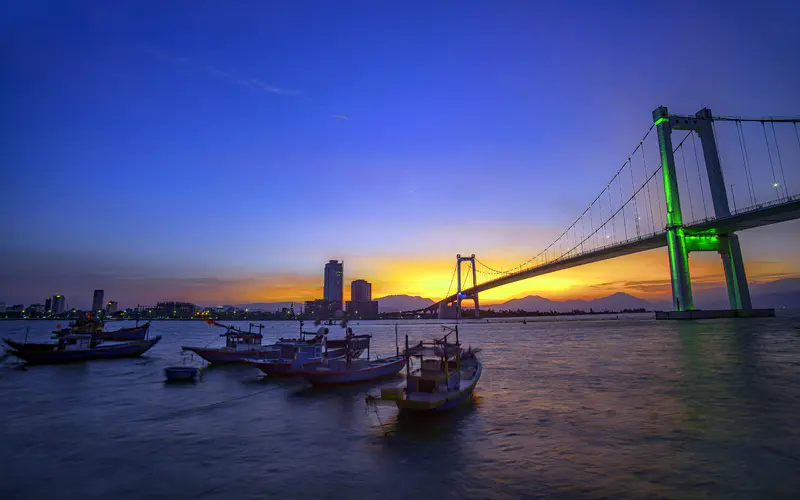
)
(473, 296)
(678, 243)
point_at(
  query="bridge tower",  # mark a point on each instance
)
(679, 244)
(459, 295)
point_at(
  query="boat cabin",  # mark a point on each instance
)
(75, 342)
(240, 341)
(308, 352)
(438, 369)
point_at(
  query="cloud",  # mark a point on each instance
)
(230, 76)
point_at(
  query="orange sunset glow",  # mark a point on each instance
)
(645, 275)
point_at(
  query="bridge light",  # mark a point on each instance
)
(775, 185)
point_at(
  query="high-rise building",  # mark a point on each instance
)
(334, 282)
(360, 290)
(111, 307)
(97, 301)
(59, 304)
(48, 304)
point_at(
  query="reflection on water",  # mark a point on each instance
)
(628, 408)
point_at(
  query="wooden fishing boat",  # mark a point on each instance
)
(241, 345)
(296, 359)
(445, 377)
(96, 327)
(123, 334)
(78, 347)
(350, 370)
(341, 371)
(181, 373)
(238, 346)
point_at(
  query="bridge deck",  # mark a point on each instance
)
(761, 215)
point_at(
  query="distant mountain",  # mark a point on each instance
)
(396, 303)
(616, 302)
(270, 306)
(775, 294)
(620, 301)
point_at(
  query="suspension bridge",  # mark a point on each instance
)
(640, 208)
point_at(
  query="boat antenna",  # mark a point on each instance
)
(408, 368)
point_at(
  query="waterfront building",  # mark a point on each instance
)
(360, 291)
(362, 309)
(97, 301)
(182, 310)
(323, 309)
(59, 304)
(333, 290)
(35, 309)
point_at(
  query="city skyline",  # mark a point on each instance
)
(339, 134)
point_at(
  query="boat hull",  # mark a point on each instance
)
(38, 355)
(284, 369)
(125, 334)
(181, 373)
(122, 335)
(328, 378)
(218, 356)
(449, 402)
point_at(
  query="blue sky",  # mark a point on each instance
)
(191, 141)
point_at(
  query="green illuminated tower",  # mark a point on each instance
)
(679, 244)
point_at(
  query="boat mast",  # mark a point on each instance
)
(458, 351)
(408, 367)
(396, 347)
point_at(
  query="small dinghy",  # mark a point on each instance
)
(181, 373)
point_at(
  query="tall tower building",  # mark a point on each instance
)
(59, 303)
(334, 282)
(97, 301)
(360, 291)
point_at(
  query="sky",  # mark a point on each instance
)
(222, 152)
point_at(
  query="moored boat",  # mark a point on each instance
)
(298, 358)
(123, 334)
(342, 371)
(96, 327)
(78, 347)
(181, 373)
(238, 346)
(445, 377)
(241, 345)
(351, 370)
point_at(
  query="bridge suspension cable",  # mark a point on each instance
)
(568, 243)
(591, 239)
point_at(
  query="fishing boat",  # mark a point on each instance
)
(445, 376)
(238, 346)
(297, 358)
(241, 345)
(181, 373)
(95, 326)
(350, 370)
(77, 347)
